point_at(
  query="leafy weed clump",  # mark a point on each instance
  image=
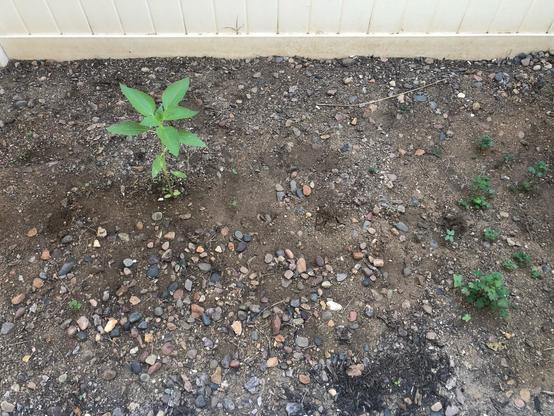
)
(490, 234)
(485, 142)
(509, 265)
(538, 169)
(480, 190)
(488, 291)
(155, 119)
(522, 259)
(74, 305)
(536, 272)
(449, 236)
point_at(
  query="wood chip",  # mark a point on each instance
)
(237, 327)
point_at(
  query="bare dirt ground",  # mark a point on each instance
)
(305, 270)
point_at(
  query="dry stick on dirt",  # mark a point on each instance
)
(384, 98)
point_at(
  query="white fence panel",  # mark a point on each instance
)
(387, 16)
(10, 21)
(69, 16)
(540, 17)
(230, 16)
(134, 16)
(37, 16)
(199, 16)
(167, 16)
(418, 15)
(325, 16)
(262, 16)
(102, 16)
(356, 15)
(509, 16)
(330, 27)
(479, 16)
(448, 16)
(294, 16)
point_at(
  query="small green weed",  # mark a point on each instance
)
(487, 291)
(522, 259)
(155, 119)
(466, 317)
(509, 265)
(481, 190)
(483, 184)
(485, 142)
(507, 158)
(478, 202)
(449, 236)
(74, 305)
(538, 169)
(490, 234)
(525, 186)
(536, 272)
(373, 170)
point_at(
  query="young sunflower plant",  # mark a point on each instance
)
(155, 119)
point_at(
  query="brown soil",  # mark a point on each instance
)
(62, 173)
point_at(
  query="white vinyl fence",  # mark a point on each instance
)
(71, 29)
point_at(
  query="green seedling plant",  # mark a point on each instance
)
(522, 259)
(525, 186)
(449, 235)
(466, 317)
(74, 305)
(538, 169)
(507, 158)
(487, 291)
(481, 190)
(536, 272)
(485, 142)
(490, 234)
(155, 119)
(509, 265)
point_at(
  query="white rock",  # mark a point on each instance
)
(333, 306)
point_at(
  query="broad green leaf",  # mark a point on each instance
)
(178, 113)
(457, 280)
(179, 174)
(175, 92)
(158, 165)
(190, 139)
(127, 128)
(140, 101)
(150, 121)
(170, 138)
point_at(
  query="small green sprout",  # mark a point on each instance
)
(449, 236)
(490, 234)
(466, 317)
(525, 186)
(539, 169)
(373, 170)
(485, 142)
(509, 265)
(522, 259)
(536, 272)
(481, 190)
(483, 184)
(155, 119)
(74, 305)
(507, 157)
(487, 291)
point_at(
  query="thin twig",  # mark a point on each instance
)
(382, 99)
(270, 307)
